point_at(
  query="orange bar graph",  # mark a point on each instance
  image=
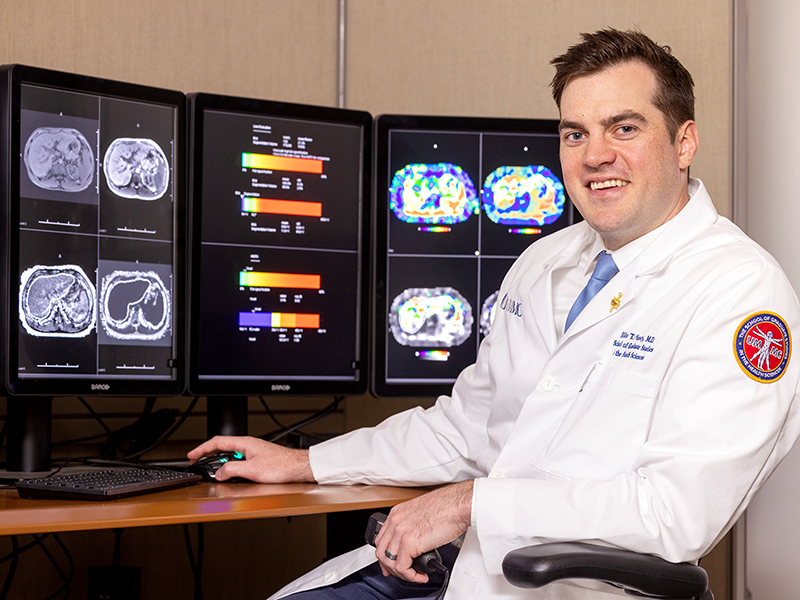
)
(282, 207)
(308, 321)
(279, 280)
(281, 163)
(296, 320)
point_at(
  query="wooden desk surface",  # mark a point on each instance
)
(198, 503)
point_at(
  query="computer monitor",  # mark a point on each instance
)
(457, 200)
(279, 248)
(93, 204)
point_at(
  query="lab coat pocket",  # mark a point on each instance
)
(604, 428)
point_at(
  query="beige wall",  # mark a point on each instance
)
(275, 49)
(460, 57)
(478, 58)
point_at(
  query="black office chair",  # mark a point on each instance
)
(638, 574)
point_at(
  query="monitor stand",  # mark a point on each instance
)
(27, 437)
(227, 415)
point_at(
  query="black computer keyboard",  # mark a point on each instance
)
(105, 485)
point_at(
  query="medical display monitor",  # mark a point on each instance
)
(93, 201)
(279, 247)
(456, 201)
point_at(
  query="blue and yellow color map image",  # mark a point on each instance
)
(529, 195)
(441, 194)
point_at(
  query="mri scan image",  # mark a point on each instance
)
(438, 194)
(439, 317)
(135, 305)
(487, 313)
(530, 195)
(57, 301)
(59, 158)
(136, 168)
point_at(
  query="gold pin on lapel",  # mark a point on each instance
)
(615, 302)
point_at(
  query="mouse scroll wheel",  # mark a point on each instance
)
(238, 455)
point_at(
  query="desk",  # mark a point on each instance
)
(200, 503)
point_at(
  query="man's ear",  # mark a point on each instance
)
(688, 141)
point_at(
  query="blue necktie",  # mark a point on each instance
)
(604, 270)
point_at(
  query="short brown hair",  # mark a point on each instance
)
(609, 47)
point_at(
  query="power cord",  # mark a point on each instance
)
(66, 579)
(130, 460)
(14, 558)
(444, 571)
(95, 415)
(271, 414)
(3, 433)
(114, 439)
(38, 541)
(275, 436)
(168, 434)
(196, 564)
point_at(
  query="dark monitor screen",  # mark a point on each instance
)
(457, 200)
(279, 248)
(94, 178)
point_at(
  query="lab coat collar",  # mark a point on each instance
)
(697, 216)
(562, 257)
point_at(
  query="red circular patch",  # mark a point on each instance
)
(762, 346)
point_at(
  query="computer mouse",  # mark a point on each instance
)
(207, 467)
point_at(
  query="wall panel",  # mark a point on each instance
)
(769, 140)
(261, 48)
(477, 58)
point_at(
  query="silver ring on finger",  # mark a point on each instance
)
(389, 555)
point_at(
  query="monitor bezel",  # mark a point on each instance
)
(197, 104)
(380, 323)
(17, 75)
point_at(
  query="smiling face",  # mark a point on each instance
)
(622, 169)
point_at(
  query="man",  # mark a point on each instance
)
(645, 417)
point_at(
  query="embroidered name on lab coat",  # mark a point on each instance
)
(634, 346)
(509, 305)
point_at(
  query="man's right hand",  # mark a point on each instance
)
(264, 462)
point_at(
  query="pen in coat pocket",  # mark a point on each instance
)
(583, 385)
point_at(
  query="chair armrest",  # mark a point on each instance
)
(638, 574)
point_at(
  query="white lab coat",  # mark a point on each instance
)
(658, 450)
